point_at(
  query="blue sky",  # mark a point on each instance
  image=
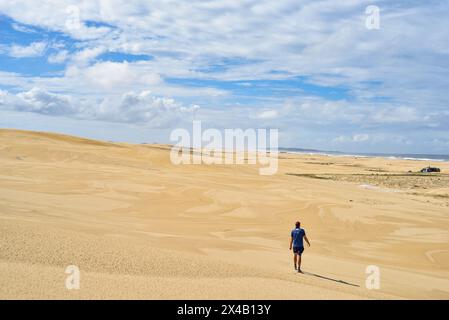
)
(135, 70)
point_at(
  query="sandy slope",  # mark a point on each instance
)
(139, 227)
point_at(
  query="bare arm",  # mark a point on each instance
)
(307, 240)
(291, 242)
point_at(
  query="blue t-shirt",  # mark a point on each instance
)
(297, 235)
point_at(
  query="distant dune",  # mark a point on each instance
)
(138, 226)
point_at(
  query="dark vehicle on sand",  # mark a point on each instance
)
(430, 169)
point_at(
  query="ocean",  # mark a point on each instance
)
(421, 157)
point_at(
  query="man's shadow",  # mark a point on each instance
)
(331, 279)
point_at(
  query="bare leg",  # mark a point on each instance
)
(299, 263)
(295, 256)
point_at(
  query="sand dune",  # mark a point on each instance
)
(139, 227)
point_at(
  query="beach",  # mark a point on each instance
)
(139, 227)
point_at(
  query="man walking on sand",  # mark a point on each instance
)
(298, 245)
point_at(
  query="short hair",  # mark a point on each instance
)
(297, 224)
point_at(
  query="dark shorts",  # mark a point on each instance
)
(298, 250)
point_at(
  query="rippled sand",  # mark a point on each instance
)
(139, 227)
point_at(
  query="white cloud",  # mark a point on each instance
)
(144, 108)
(112, 76)
(34, 49)
(267, 114)
(41, 101)
(22, 28)
(396, 78)
(38, 101)
(82, 32)
(59, 57)
(131, 107)
(307, 38)
(85, 56)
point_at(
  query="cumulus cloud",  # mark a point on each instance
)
(87, 55)
(325, 40)
(395, 79)
(110, 77)
(142, 108)
(111, 74)
(41, 101)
